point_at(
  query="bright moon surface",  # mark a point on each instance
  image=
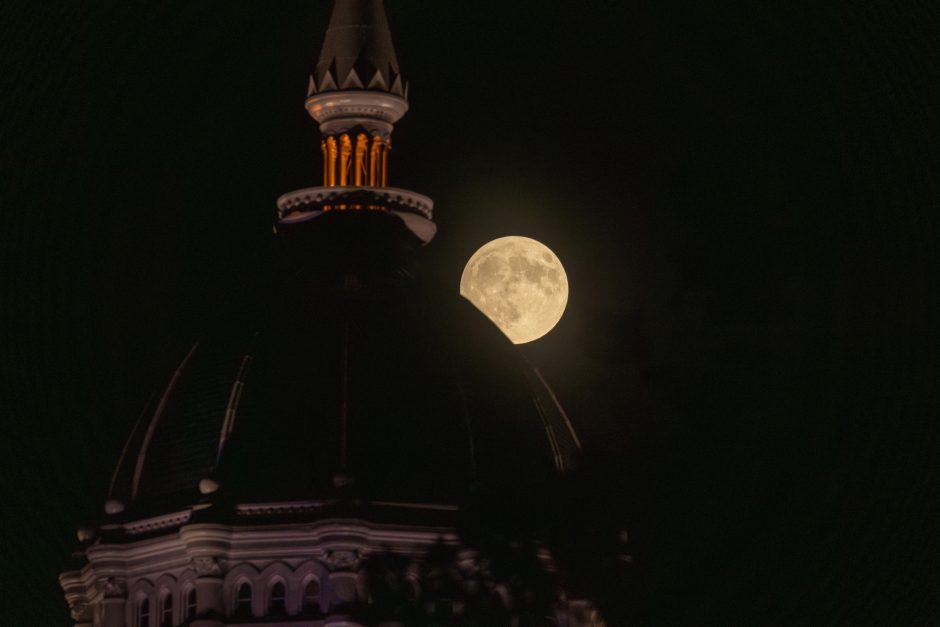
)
(519, 284)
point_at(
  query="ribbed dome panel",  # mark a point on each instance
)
(405, 396)
(185, 437)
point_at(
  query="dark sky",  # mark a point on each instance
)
(745, 198)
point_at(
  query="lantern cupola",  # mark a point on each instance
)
(356, 94)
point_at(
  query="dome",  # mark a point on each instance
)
(388, 391)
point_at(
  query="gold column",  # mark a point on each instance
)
(326, 162)
(331, 162)
(388, 148)
(345, 154)
(374, 160)
(362, 145)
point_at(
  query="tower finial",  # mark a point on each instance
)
(357, 94)
(357, 81)
(358, 52)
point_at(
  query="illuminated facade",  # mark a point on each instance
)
(363, 453)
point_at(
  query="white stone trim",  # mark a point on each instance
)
(158, 522)
(338, 111)
(312, 196)
(136, 593)
(186, 582)
(241, 574)
(312, 571)
(296, 552)
(170, 586)
(278, 571)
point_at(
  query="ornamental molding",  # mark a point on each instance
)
(337, 544)
(315, 198)
(176, 519)
(331, 105)
(269, 509)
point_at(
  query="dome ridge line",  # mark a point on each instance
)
(558, 406)
(158, 413)
(234, 399)
(127, 444)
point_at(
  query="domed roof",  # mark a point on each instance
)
(398, 394)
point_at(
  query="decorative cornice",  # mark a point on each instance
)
(316, 198)
(273, 509)
(176, 519)
(339, 111)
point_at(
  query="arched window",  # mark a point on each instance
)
(278, 604)
(143, 613)
(243, 600)
(312, 597)
(166, 610)
(191, 603)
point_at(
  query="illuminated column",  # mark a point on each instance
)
(326, 162)
(385, 150)
(331, 167)
(345, 155)
(362, 147)
(374, 159)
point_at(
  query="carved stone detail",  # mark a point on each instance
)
(468, 561)
(206, 566)
(113, 588)
(343, 560)
(392, 198)
(80, 611)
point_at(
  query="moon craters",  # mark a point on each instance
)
(519, 284)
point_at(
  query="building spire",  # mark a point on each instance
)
(358, 52)
(356, 93)
(357, 81)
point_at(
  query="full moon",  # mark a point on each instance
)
(519, 284)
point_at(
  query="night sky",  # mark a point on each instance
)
(745, 198)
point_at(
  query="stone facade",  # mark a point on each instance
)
(320, 573)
